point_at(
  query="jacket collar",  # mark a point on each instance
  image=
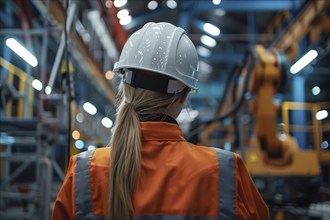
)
(161, 131)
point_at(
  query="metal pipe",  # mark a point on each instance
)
(10, 31)
(13, 175)
(58, 170)
(43, 61)
(45, 189)
(59, 54)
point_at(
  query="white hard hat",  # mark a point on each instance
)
(160, 48)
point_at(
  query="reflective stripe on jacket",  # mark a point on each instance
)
(178, 181)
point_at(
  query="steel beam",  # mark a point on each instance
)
(11, 31)
(43, 60)
(300, 26)
(60, 51)
(57, 12)
(223, 57)
(249, 5)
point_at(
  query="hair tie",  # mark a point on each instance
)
(130, 104)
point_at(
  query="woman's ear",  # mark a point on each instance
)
(185, 93)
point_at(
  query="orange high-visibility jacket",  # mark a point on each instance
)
(178, 180)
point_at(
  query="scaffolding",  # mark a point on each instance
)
(34, 125)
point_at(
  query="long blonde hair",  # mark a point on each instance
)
(126, 144)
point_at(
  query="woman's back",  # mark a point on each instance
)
(178, 180)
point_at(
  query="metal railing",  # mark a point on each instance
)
(24, 107)
(317, 129)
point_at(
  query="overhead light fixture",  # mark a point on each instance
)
(203, 51)
(122, 13)
(219, 12)
(79, 144)
(320, 115)
(208, 41)
(108, 4)
(48, 90)
(304, 61)
(22, 52)
(75, 134)
(37, 84)
(216, 2)
(171, 4)
(211, 29)
(316, 90)
(89, 108)
(119, 3)
(107, 122)
(325, 145)
(205, 68)
(80, 117)
(109, 75)
(91, 147)
(125, 20)
(152, 5)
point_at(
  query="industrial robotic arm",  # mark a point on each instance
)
(272, 148)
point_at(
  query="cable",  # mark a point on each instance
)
(237, 105)
(66, 52)
(229, 81)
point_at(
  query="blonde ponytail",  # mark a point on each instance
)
(124, 161)
(126, 145)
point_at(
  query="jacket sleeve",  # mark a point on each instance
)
(250, 204)
(64, 207)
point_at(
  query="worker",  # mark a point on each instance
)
(150, 171)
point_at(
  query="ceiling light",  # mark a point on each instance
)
(22, 52)
(208, 41)
(203, 51)
(89, 108)
(119, 3)
(48, 90)
(75, 134)
(171, 4)
(122, 13)
(320, 115)
(37, 84)
(107, 122)
(109, 75)
(219, 12)
(79, 144)
(152, 5)
(325, 145)
(126, 20)
(316, 90)
(211, 29)
(205, 68)
(216, 2)
(80, 117)
(304, 61)
(91, 147)
(108, 4)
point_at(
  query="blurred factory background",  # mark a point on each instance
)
(58, 92)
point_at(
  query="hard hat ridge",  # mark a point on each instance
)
(164, 49)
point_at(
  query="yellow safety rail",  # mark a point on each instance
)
(22, 76)
(317, 127)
